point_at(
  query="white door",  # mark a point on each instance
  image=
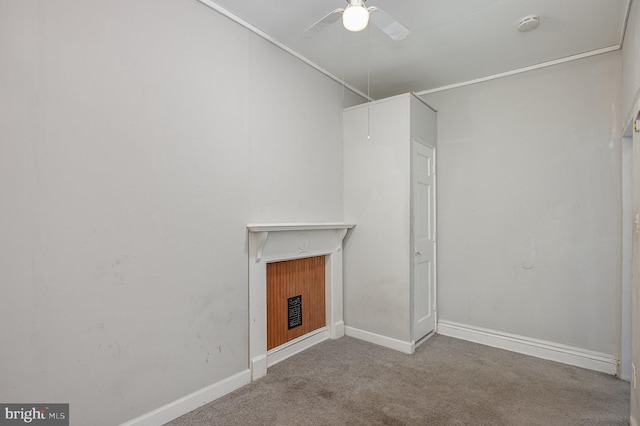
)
(635, 281)
(424, 253)
(624, 367)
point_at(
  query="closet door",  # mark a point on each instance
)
(424, 209)
(635, 280)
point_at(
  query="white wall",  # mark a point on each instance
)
(137, 139)
(377, 199)
(529, 204)
(378, 254)
(630, 95)
(630, 106)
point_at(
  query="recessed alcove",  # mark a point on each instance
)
(269, 243)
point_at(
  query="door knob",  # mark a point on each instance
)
(418, 252)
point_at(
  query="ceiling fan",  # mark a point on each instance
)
(355, 17)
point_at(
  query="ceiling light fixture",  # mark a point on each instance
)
(356, 16)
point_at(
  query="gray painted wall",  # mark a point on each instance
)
(529, 204)
(630, 94)
(137, 140)
(377, 197)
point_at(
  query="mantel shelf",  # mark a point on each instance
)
(274, 227)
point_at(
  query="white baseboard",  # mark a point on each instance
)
(387, 342)
(525, 345)
(190, 402)
(258, 367)
(424, 339)
(296, 346)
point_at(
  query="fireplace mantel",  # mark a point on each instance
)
(262, 233)
(296, 227)
(278, 242)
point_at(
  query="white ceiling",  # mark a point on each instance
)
(451, 41)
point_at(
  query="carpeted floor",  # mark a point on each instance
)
(446, 382)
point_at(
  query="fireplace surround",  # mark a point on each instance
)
(278, 242)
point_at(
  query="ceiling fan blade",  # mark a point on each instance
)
(381, 19)
(323, 23)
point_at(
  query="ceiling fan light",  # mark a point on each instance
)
(355, 18)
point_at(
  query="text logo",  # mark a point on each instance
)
(35, 414)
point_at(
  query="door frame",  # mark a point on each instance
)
(635, 274)
(624, 367)
(416, 140)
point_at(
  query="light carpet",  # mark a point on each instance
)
(445, 382)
